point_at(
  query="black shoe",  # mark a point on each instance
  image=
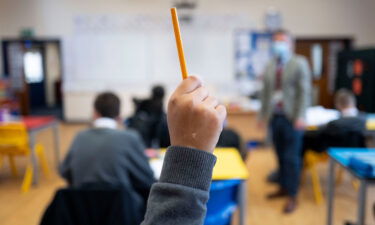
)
(273, 177)
(290, 205)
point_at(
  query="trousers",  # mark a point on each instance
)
(288, 145)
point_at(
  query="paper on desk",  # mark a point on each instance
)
(156, 166)
(318, 115)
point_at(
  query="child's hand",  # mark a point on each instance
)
(195, 119)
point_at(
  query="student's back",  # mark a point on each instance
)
(107, 155)
(345, 132)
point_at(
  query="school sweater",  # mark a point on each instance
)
(109, 156)
(181, 194)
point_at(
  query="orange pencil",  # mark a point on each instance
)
(180, 49)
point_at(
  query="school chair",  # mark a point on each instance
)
(222, 202)
(14, 141)
(94, 204)
(311, 160)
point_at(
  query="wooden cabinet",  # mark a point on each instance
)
(322, 52)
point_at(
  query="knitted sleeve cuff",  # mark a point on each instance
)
(189, 167)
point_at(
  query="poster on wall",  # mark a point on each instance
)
(252, 53)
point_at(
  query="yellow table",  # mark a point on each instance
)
(229, 165)
(370, 124)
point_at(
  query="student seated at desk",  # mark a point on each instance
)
(347, 131)
(149, 119)
(229, 138)
(105, 154)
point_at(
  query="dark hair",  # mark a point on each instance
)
(158, 92)
(107, 104)
(344, 98)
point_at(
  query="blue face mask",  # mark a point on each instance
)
(281, 50)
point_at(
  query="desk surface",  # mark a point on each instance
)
(35, 122)
(342, 156)
(370, 125)
(229, 165)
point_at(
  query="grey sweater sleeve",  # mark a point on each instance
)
(65, 168)
(182, 192)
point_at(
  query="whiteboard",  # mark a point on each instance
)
(115, 57)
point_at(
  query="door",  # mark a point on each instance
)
(322, 55)
(34, 70)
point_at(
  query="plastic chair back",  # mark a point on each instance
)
(13, 138)
(94, 204)
(222, 202)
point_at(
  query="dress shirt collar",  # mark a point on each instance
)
(104, 122)
(349, 112)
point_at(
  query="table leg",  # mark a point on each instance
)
(34, 160)
(56, 136)
(242, 202)
(331, 191)
(362, 203)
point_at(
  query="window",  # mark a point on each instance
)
(33, 67)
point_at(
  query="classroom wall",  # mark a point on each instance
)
(318, 17)
(54, 18)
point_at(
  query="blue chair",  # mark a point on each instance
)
(222, 202)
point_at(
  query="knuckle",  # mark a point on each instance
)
(193, 78)
(188, 103)
(173, 101)
(203, 112)
(215, 119)
(200, 110)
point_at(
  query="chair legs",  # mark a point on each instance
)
(316, 185)
(39, 150)
(1, 161)
(13, 167)
(29, 173)
(339, 176)
(28, 179)
(355, 184)
(311, 161)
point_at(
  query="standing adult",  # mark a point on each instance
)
(285, 97)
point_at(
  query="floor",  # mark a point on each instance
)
(26, 209)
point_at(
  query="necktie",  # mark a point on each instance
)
(279, 72)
